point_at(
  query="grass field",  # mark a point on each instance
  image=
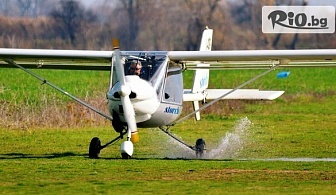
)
(258, 147)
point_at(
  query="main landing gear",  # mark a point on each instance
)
(95, 145)
(199, 147)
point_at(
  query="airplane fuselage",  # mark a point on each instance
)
(163, 115)
(156, 95)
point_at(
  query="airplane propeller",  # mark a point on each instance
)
(126, 148)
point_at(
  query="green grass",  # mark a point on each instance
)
(55, 161)
(18, 85)
(300, 124)
(110, 176)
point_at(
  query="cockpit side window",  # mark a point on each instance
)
(173, 89)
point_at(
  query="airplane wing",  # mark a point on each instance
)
(57, 59)
(101, 60)
(257, 59)
(282, 56)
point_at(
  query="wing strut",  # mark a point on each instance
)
(11, 62)
(226, 94)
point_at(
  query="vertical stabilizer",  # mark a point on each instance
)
(201, 76)
(206, 42)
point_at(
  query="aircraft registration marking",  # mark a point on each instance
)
(172, 110)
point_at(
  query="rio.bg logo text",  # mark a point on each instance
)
(298, 19)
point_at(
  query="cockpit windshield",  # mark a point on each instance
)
(148, 66)
(155, 68)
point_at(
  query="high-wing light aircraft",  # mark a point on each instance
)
(154, 98)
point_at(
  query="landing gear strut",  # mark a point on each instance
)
(199, 148)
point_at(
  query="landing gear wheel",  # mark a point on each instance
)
(200, 147)
(125, 156)
(126, 149)
(94, 148)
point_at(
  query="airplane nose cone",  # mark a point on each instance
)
(142, 95)
(125, 91)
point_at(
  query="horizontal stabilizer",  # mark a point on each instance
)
(240, 94)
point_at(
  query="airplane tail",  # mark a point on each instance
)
(201, 76)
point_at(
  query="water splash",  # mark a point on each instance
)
(174, 149)
(168, 147)
(232, 143)
(229, 146)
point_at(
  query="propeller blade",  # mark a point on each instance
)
(117, 60)
(125, 91)
(129, 115)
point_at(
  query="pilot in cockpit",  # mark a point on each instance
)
(135, 68)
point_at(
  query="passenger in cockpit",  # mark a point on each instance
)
(135, 68)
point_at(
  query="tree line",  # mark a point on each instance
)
(145, 25)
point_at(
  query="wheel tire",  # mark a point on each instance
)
(125, 156)
(200, 147)
(94, 148)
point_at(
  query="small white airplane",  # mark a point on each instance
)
(154, 97)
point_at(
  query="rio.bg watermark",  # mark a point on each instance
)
(298, 19)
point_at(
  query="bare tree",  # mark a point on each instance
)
(145, 25)
(70, 20)
(5, 7)
(131, 22)
(200, 15)
(295, 39)
(24, 6)
(36, 6)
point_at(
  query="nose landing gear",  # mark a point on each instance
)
(95, 146)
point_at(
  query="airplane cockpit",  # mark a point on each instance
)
(163, 75)
(149, 63)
